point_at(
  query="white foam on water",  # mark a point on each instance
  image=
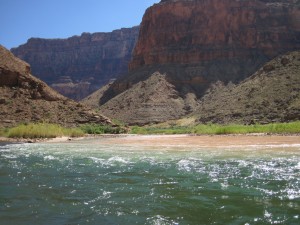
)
(169, 167)
(224, 185)
(150, 159)
(9, 156)
(97, 160)
(105, 195)
(267, 214)
(118, 159)
(161, 220)
(292, 193)
(189, 164)
(50, 157)
(185, 165)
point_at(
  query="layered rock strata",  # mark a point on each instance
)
(24, 98)
(192, 31)
(152, 100)
(272, 94)
(79, 65)
(198, 42)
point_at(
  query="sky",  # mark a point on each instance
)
(23, 19)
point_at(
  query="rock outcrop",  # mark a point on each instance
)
(198, 42)
(92, 100)
(79, 65)
(192, 31)
(272, 94)
(153, 100)
(24, 98)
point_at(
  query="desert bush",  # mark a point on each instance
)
(101, 129)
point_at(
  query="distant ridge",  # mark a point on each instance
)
(79, 65)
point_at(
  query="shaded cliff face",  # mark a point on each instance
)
(272, 94)
(198, 42)
(79, 65)
(24, 98)
(153, 100)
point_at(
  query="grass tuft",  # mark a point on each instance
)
(215, 129)
(101, 129)
(42, 130)
(45, 130)
(2, 132)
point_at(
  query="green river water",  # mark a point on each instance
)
(84, 183)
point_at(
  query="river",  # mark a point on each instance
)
(112, 180)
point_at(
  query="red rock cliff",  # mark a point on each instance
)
(198, 42)
(192, 31)
(79, 65)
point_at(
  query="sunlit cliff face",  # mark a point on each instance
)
(79, 65)
(192, 31)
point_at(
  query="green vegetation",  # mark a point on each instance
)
(42, 130)
(46, 130)
(275, 128)
(101, 129)
(118, 122)
(161, 130)
(2, 132)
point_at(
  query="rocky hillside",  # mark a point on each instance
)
(24, 98)
(79, 65)
(92, 100)
(272, 94)
(198, 42)
(150, 101)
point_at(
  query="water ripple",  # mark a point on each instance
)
(93, 184)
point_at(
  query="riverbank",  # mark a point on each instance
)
(44, 132)
(6, 140)
(219, 129)
(185, 140)
(172, 140)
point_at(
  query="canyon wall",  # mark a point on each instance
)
(203, 30)
(270, 95)
(198, 42)
(79, 65)
(26, 99)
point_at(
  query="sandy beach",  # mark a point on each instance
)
(176, 140)
(212, 140)
(190, 140)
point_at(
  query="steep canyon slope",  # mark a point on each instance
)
(194, 43)
(24, 98)
(79, 65)
(272, 94)
(149, 101)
